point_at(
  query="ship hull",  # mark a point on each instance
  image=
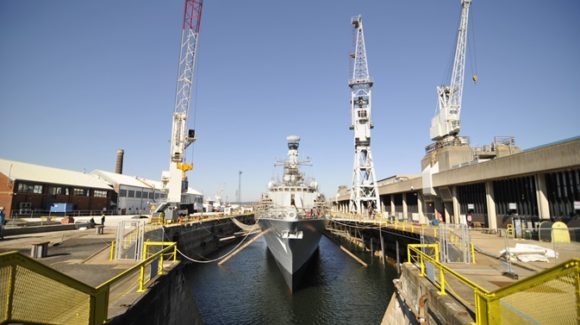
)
(292, 243)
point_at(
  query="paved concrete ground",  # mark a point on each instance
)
(69, 250)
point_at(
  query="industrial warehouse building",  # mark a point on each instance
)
(32, 190)
(535, 185)
(135, 195)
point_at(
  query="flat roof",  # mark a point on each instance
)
(122, 179)
(16, 170)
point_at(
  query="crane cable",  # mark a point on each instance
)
(472, 49)
(191, 259)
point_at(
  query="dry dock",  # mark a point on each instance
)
(74, 278)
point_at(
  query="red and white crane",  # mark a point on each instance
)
(181, 136)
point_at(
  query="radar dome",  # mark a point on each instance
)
(293, 141)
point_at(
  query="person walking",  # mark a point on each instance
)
(103, 220)
(2, 220)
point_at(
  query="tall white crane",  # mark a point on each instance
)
(364, 195)
(446, 122)
(181, 135)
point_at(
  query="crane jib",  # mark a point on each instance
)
(192, 15)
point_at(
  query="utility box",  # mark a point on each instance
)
(61, 207)
(39, 250)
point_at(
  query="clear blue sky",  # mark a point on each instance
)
(80, 79)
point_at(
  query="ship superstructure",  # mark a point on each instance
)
(292, 215)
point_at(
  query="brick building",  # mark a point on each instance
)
(31, 190)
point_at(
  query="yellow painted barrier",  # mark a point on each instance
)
(35, 292)
(112, 251)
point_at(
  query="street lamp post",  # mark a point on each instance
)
(240, 188)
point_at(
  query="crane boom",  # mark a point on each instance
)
(447, 120)
(181, 136)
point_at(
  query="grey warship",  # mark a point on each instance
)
(292, 213)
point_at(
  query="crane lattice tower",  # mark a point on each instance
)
(181, 136)
(364, 197)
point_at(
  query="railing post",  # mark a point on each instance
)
(145, 250)
(174, 253)
(437, 253)
(160, 269)
(99, 306)
(472, 253)
(481, 308)
(422, 265)
(577, 269)
(141, 279)
(112, 252)
(10, 293)
(409, 254)
(493, 311)
(441, 281)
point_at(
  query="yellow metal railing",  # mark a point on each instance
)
(35, 293)
(31, 292)
(549, 297)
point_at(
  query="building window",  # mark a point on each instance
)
(55, 190)
(151, 195)
(563, 190)
(138, 194)
(79, 191)
(29, 188)
(156, 195)
(122, 193)
(100, 193)
(131, 193)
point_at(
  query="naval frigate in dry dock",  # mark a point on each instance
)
(292, 213)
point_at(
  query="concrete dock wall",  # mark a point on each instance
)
(417, 300)
(201, 239)
(171, 299)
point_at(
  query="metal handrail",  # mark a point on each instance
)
(143, 263)
(99, 296)
(487, 307)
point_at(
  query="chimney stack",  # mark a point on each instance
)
(119, 163)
